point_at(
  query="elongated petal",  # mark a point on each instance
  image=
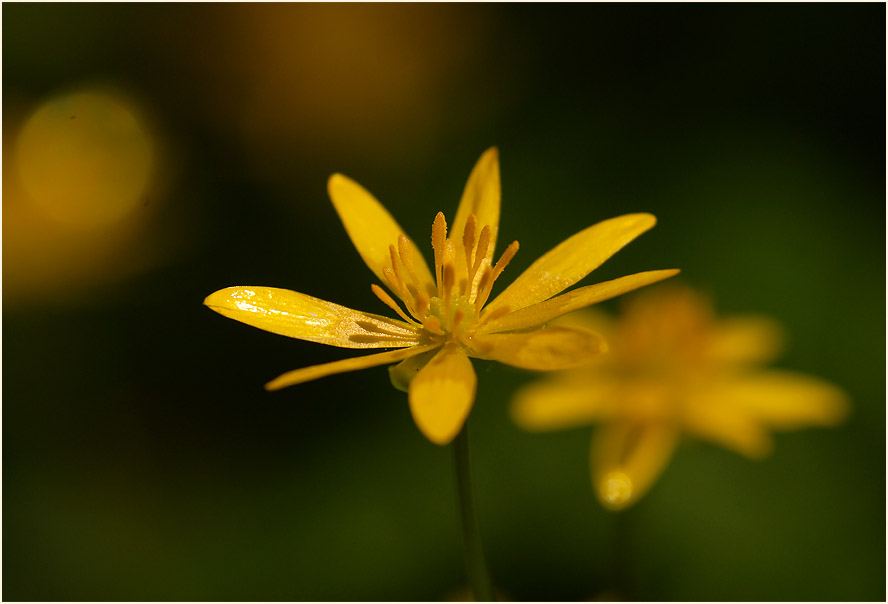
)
(541, 350)
(561, 403)
(296, 315)
(371, 228)
(627, 458)
(571, 260)
(785, 400)
(481, 197)
(553, 308)
(307, 374)
(745, 340)
(442, 393)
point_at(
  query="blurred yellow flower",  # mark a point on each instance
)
(444, 323)
(672, 367)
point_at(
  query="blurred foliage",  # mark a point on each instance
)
(143, 460)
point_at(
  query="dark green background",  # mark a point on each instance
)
(142, 459)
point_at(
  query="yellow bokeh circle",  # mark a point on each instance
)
(85, 158)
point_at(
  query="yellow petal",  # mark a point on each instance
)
(707, 417)
(372, 229)
(296, 315)
(481, 197)
(552, 308)
(627, 458)
(571, 260)
(541, 350)
(745, 340)
(442, 393)
(307, 374)
(785, 400)
(563, 403)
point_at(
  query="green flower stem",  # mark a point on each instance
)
(476, 567)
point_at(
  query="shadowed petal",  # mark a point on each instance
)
(442, 393)
(371, 228)
(403, 373)
(571, 260)
(307, 374)
(541, 350)
(296, 315)
(540, 313)
(558, 404)
(628, 458)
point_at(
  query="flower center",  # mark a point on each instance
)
(450, 308)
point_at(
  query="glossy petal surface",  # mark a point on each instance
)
(371, 228)
(540, 313)
(541, 350)
(296, 315)
(442, 393)
(571, 260)
(307, 374)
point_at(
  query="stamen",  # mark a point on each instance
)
(433, 324)
(439, 236)
(449, 276)
(387, 300)
(414, 294)
(484, 288)
(394, 256)
(422, 305)
(481, 252)
(469, 244)
(407, 256)
(476, 279)
(505, 259)
(487, 285)
(390, 276)
(458, 316)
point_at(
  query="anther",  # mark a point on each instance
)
(458, 317)
(504, 260)
(391, 277)
(433, 325)
(388, 301)
(469, 241)
(407, 256)
(397, 272)
(481, 252)
(439, 236)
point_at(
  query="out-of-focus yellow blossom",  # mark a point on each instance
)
(83, 182)
(672, 367)
(447, 317)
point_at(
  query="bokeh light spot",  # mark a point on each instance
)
(85, 158)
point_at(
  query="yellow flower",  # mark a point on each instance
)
(673, 368)
(446, 320)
